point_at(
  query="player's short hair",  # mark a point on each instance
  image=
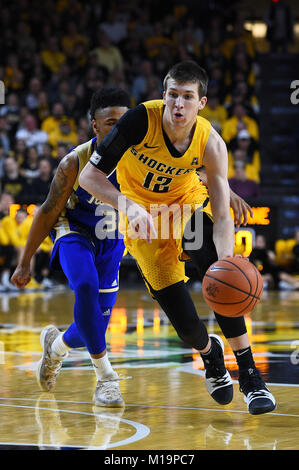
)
(189, 71)
(106, 97)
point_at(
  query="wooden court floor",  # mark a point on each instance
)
(167, 405)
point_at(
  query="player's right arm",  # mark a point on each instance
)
(47, 215)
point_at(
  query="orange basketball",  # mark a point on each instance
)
(232, 286)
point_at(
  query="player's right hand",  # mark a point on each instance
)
(141, 223)
(21, 276)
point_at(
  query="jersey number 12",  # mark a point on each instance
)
(158, 185)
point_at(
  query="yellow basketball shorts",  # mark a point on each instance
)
(161, 262)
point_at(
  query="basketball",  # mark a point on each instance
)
(232, 286)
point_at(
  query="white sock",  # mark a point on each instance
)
(59, 348)
(102, 367)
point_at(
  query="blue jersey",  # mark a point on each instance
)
(83, 213)
(94, 224)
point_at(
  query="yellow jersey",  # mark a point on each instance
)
(149, 174)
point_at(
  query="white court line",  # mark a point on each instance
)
(142, 431)
(174, 407)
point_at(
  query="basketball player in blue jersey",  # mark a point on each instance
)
(89, 261)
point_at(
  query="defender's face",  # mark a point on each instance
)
(182, 102)
(106, 118)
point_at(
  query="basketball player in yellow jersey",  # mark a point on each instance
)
(157, 148)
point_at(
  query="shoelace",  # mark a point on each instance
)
(214, 368)
(110, 386)
(252, 383)
(54, 368)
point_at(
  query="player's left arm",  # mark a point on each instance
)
(240, 207)
(215, 161)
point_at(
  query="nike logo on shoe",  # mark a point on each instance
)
(151, 147)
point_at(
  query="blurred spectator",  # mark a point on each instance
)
(163, 61)
(62, 150)
(19, 151)
(3, 155)
(154, 42)
(280, 22)
(10, 246)
(215, 113)
(241, 185)
(14, 77)
(264, 260)
(244, 148)
(38, 190)
(51, 123)
(80, 58)
(239, 35)
(31, 134)
(6, 200)
(47, 151)
(115, 29)
(4, 134)
(140, 86)
(36, 69)
(64, 90)
(73, 108)
(63, 134)
(187, 37)
(142, 26)
(31, 98)
(72, 39)
(12, 181)
(30, 167)
(239, 156)
(25, 40)
(239, 121)
(107, 54)
(241, 63)
(11, 111)
(241, 94)
(218, 81)
(133, 52)
(52, 56)
(215, 58)
(43, 107)
(191, 24)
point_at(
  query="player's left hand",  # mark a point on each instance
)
(21, 276)
(240, 209)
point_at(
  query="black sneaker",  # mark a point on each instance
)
(257, 396)
(218, 380)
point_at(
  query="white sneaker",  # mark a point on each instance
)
(107, 392)
(49, 366)
(218, 380)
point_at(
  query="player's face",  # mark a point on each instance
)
(106, 118)
(182, 103)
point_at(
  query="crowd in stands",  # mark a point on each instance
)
(55, 54)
